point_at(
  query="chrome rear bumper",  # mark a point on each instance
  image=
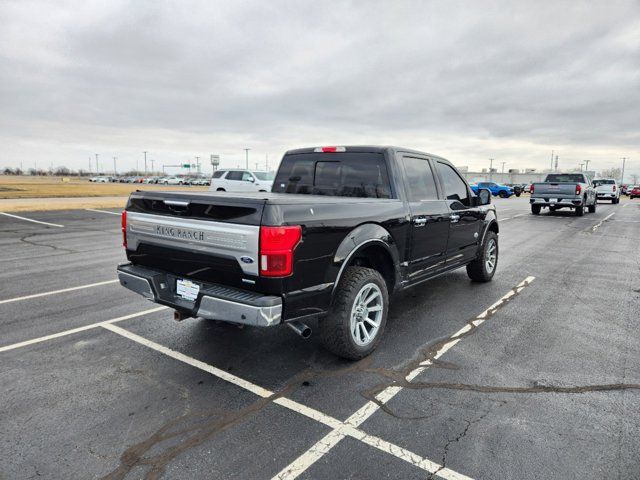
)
(215, 302)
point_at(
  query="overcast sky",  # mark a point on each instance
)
(464, 80)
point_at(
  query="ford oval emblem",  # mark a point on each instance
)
(246, 259)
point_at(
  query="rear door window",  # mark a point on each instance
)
(420, 183)
(344, 174)
(234, 176)
(218, 173)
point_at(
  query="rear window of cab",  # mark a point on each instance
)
(344, 174)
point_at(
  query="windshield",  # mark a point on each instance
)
(565, 178)
(264, 175)
(349, 174)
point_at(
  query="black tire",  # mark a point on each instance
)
(535, 209)
(335, 329)
(518, 194)
(220, 190)
(553, 209)
(592, 208)
(502, 194)
(479, 270)
(579, 211)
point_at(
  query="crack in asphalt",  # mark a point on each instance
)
(460, 436)
(28, 242)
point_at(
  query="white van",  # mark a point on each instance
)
(236, 180)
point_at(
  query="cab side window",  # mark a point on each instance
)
(420, 182)
(454, 187)
(247, 177)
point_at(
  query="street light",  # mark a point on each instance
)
(491, 169)
(145, 162)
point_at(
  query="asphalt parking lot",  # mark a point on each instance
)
(534, 375)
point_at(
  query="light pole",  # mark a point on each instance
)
(491, 169)
(152, 167)
(502, 174)
(97, 165)
(581, 166)
(145, 162)
(586, 165)
(89, 166)
(115, 172)
(552, 152)
(624, 160)
(198, 164)
(246, 151)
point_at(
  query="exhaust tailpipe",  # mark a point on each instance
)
(300, 328)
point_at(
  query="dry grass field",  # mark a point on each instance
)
(26, 193)
(13, 187)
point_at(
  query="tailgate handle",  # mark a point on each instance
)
(177, 205)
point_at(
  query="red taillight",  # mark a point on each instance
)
(578, 189)
(531, 188)
(123, 223)
(276, 250)
(614, 188)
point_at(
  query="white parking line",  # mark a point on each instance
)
(597, 225)
(31, 220)
(103, 211)
(323, 446)
(78, 329)
(340, 429)
(54, 292)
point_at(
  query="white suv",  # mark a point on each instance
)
(241, 181)
(607, 189)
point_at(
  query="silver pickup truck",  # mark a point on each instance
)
(564, 190)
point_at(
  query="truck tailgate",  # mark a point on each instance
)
(554, 189)
(207, 237)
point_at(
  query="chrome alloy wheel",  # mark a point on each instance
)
(491, 255)
(366, 314)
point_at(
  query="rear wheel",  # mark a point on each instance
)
(579, 211)
(592, 208)
(502, 194)
(220, 190)
(358, 314)
(484, 266)
(535, 209)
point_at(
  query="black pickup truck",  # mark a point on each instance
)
(342, 229)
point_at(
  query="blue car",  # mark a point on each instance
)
(497, 189)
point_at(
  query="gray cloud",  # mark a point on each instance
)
(467, 80)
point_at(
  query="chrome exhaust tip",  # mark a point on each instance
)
(300, 328)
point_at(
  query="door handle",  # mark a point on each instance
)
(420, 221)
(454, 218)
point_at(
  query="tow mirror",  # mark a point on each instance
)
(484, 196)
